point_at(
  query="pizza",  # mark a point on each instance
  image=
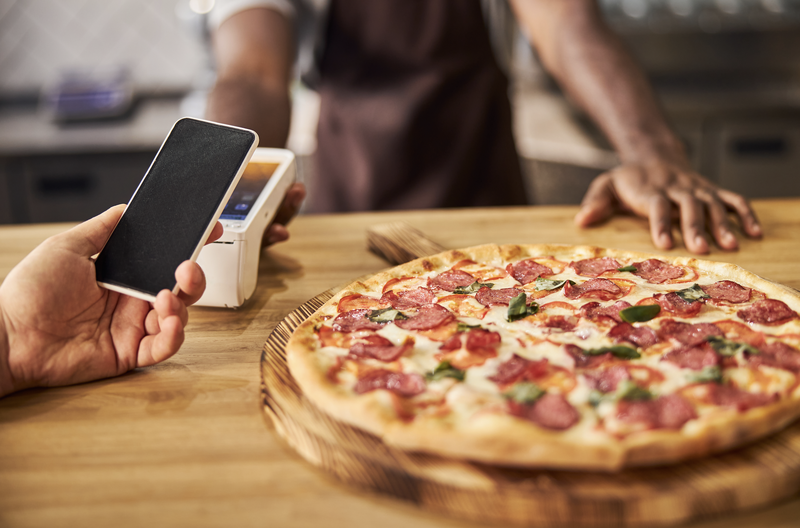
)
(556, 356)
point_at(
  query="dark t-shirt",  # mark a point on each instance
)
(414, 110)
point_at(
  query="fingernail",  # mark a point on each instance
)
(664, 239)
(756, 229)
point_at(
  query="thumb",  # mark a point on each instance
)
(89, 237)
(599, 202)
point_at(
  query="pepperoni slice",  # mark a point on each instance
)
(641, 336)
(409, 298)
(686, 333)
(778, 355)
(526, 271)
(594, 267)
(695, 357)
(479, 340)
(510, 371)
(602, 289)
(672, 303)
(728, 291)
(567, 323)
(742, 400)
(405, 385)
(582, 360)
(354, 320)
(606, 380)
(378, 347)
(656, 271)
(770, 312)
(551, 411)
(594, 310)
(489, 297)
(428, 317)
(666, 412)
(451, 279)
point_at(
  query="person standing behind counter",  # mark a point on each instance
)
(415, 112)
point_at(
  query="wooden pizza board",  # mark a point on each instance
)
(753, 476)
(762, 473)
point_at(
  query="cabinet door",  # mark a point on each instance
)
(77, 187)
(6, 216)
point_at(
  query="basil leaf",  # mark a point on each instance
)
(385, 315)
(445, 370)
(695, 293)
(711, 373)
(725, 347)
(464, 327)
(639, 314)
(632, 269)
(620, 351)
(472, 288)
(550, 285)
(525, 392)
(518, 309)
(595, 397)
(629, 390)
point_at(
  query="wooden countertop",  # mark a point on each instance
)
(184, 443)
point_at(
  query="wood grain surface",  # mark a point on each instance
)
(184, 443)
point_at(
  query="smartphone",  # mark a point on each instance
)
(175, 207)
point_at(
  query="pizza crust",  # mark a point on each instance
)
(505, 440)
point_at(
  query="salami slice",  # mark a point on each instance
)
(656, 271)
(378, 347)
(606, 380)
(510, 371)
(551, 411)
(526, 271)
(428, 317)
(482, 341)
(354, 320)
(602, 289)
(742, 400)
(405, 385)
(770, 312)
(695, 357)
(686, 333)
(666, 412)
(489, 297)
(407, 299)
(778, 355)
(594, 310)
(594, 267)
(672, 303)
(641, 336)
(451, 279)
(728, 291)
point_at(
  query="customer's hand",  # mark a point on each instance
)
(58, 327)
(663, 191)
(277, 231)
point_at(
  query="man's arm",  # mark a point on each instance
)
(655, 179)
(254, 51)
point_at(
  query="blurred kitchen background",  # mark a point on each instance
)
(89, 89)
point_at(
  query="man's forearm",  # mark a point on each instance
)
(248, 104)
(592, 64)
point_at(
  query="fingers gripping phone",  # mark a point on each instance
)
(175, 207)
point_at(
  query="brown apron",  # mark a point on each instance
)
(414, 110)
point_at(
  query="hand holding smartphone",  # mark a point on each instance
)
(175, 207)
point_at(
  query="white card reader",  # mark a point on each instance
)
(231, 263)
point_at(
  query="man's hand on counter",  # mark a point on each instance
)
(58, 327)
(662, 191)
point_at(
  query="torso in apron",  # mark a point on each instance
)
(414, 110)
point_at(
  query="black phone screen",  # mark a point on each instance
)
(173, 206)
